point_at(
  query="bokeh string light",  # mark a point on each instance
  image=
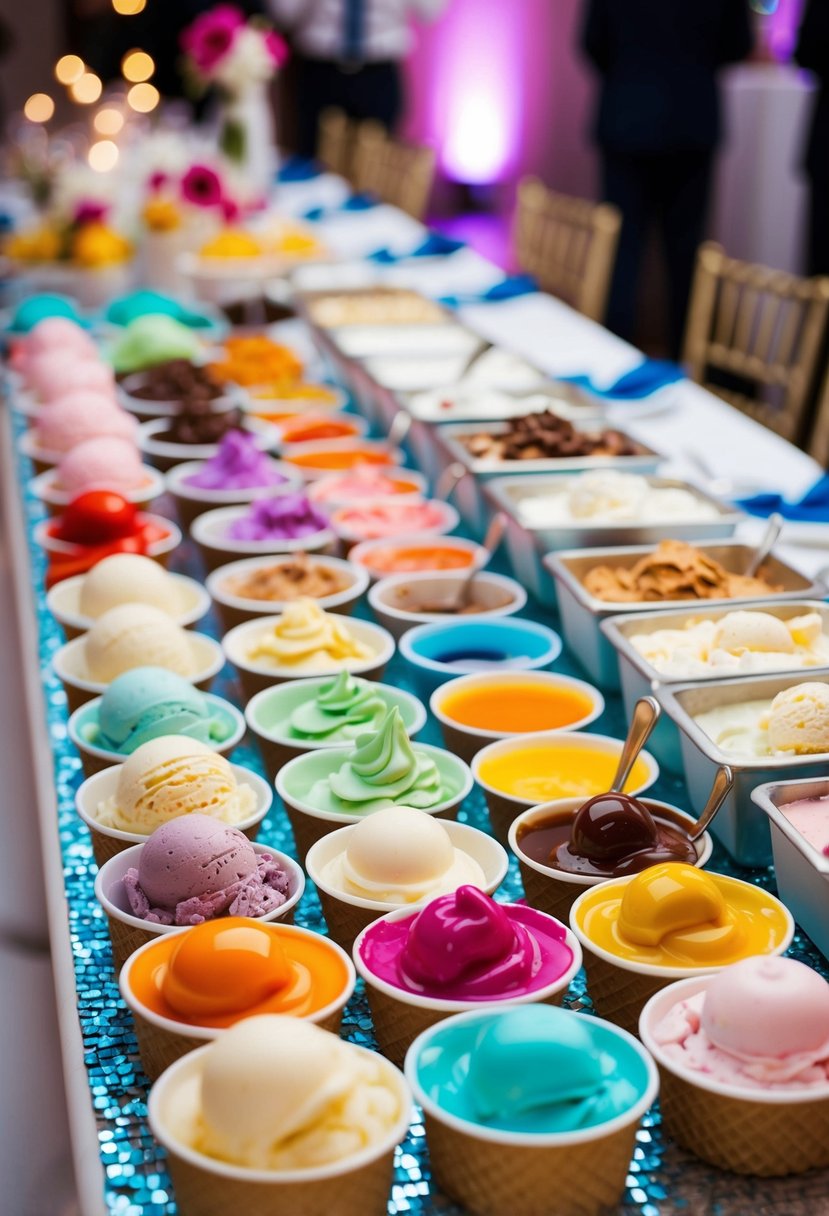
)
(108, 121)
(39, 107)
(143, 98)
(137, 66)
(69, 69)
(129, 8)
(103, 155)
(87, 90)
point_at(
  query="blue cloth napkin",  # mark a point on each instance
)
(509, 288)
(813, 507)
(298, 169)
(354, 202)
(646, 378)
(435, 245)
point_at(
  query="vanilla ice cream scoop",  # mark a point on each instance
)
(174, 776)
(799, 719)
(607, 495)
(280, 1093)
(399, 855)
(128, 578)
(136, 635)
(759, 631)
(768, 1007)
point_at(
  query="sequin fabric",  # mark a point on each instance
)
(663, 1180)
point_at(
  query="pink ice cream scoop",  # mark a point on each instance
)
(105, 462)
(49, 374)
(58, 333)
(762, 1022)
(466, 947)
(79, 417)
(362, 483)
(196, 868)
(287, 517)
(238, 465)
(376, 520)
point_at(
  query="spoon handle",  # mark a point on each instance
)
(493, 538)
(723, 781)
(645, 716)
(766, 544)
(399, 429)
(448, 480)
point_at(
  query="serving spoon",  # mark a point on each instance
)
(645, 716)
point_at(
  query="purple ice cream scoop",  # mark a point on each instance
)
(195, 868)
(238, 465)
(287, 517)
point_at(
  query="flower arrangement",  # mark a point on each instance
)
(77, 229)
(225, 50)
(173, 199)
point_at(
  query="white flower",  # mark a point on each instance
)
(248, 62)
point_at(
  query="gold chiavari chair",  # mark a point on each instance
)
(754, 338)
(399, 174)
(567, 244)
(335, 141)
(818, 441)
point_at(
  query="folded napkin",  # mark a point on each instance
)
(354, 202)
(435, 245)
(509, 288)
(298, 169)
(646, 378)
(813, 507)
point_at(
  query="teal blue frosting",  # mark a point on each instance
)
(149, 702)
(139, 303)
(35, 309)
(535, 1069)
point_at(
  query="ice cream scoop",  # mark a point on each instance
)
(374, 520)
(51, 374)
(761, 1023)
(616, 834)
(174, 776)
(82, 416)
(36, 308)
(128, 578)
(53, 333)
(97, 516)
(148, 702)
(810, 817)
(399, 855)
(348, 707)
(795, 722)
(239, 464)
(285, 517)
(279, 1094)
(151, 339)
(197, 868)
(128, 308)
(534, 1069)
(103, 461)
(135, 635)
(361, 484)
(308, 640)
(384, 769)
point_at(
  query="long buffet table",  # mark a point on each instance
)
(119, 1168)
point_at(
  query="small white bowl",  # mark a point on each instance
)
(257, 676)
(310, 473)
(388, 597)
(447, 522)
(235, 609)
(271, 409)
(192, 501)
(69, 664)
(164, 454)
(148, 410)
(209, 531)
(45, 487)
(159, 550)
(63, 602)
(356, 423)
(317, 490)
(367, 550)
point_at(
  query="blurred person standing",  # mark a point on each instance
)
(347, 53)
(657, 127)
(812, 52)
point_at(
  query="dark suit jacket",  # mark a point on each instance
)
(812, 52)
(658, 61)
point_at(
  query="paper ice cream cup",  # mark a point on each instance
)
(69, 664)
(163, 1040)
(127, 932)
(256, 676)
(165, 454)
(619, 988)
(107, 842)
(45, 487)
(357, 1186)
(490, 1172)
(209, 531)
(159, 550)
(310, 824)
(764, 1132)
(554, 891)
(192, 501)
(399, 1016)
(235, 610)
(347, 915)
(63, 601)
(278, 748)
(95, 759)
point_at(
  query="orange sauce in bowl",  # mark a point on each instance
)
(303, 430)
(515, 707)
(391, 560)
(336, 460)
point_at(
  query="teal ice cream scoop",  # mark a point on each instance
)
(149, 702)
(534, 1069)
(126, 309)
(152, 339)
(34, 309)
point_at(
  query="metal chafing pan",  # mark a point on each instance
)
(638, 677)
(740, 825)
(582, 613)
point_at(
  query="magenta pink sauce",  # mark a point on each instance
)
(467, 947)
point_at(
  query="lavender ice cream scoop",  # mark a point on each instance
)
(287, 517)
(196, 868)
(238, 465)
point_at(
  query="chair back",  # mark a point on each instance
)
(399, 174)
(567, 244)
(754, 338)
(335, 142)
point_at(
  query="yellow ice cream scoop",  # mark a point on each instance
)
(232, 243)
(675, 915)
(305, 636)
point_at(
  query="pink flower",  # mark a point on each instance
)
(211, 36)
(90, 211)
(230, 210)
(277, 47)
(202, 186)
(157, 181)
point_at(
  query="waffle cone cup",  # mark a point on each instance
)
(76, 697)
(548, 895)
(362, 1192)
(345, 921)
(619, 995)
(502, 811)
(491, 1179)
(308, 829)
(125, 939)
(274, 754)
(463, 744)
(105, 846)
